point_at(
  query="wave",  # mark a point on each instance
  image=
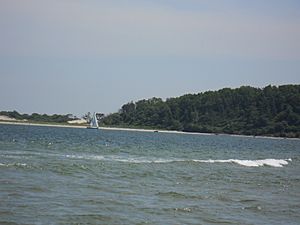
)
(120, 159)
(13, 165)
(141, 160)
(251, 163)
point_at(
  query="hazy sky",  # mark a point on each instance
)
(74, 56)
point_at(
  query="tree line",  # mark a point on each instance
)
(35, 117)
(272, 111)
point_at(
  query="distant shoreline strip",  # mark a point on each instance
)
(40, 124)
(140, 130)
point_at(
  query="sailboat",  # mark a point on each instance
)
(94, 123)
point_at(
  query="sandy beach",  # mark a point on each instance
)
(6, 118)
(15, 122)
(102, 128)
(38, 124)
(135, 129)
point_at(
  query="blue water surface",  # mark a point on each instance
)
(51, 175)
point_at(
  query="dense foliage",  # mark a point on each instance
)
(273, 111)
(38, 117)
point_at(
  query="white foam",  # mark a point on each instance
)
(120, 158)
(95, 157)
(13, 164)
(251, 163)
(140, 160)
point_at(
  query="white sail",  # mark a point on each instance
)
(94, 122)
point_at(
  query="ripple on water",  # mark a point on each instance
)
(70, 176)
(177, 196)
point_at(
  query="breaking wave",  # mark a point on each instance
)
(251, 163)
(141, 160)
(13, 165)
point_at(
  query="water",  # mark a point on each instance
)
(80, 176)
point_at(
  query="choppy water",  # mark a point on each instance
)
(81, 176)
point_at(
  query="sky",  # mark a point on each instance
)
(76, 56)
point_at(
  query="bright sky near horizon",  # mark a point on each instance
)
(75, 56)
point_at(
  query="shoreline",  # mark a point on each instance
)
(40, 124)
(140, 130)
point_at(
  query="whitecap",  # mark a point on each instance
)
(95, 157)
(137, 160)
(141, 160)
(13, 164)
(251, 163)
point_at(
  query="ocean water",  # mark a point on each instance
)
(80, 176)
